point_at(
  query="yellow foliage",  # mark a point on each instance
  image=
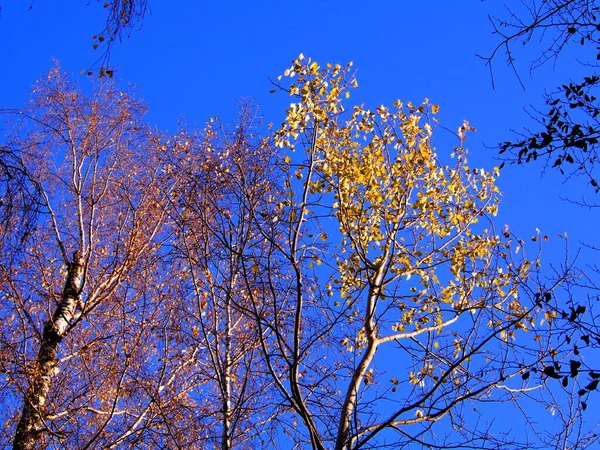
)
(410, 226)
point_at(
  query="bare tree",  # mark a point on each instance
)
(227, 174)
(19, 201)
(567, 138)
(551, 24)
(123, 16)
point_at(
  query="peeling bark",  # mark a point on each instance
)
(31, 427)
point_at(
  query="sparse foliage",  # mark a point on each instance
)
(122, 17)
(568, 139)
(570, 136)
(224, 175)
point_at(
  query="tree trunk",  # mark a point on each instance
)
(226, 438)
(31, 427)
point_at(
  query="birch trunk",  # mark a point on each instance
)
(31, 427)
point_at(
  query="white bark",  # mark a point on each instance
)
(32, 423)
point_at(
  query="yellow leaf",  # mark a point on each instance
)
(347, 94)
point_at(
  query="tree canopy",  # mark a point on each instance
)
(335, 282)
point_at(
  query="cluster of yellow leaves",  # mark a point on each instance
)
(318, 94)
(398, 206)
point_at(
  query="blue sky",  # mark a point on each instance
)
(196, 59)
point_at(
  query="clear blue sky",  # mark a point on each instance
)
(196, 59)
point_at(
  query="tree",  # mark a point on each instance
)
(379, 253)
(568, 139)
(225, 173)
(122, 17)
(333, 283)
(141, 337)
(19, 201)
(67, 303)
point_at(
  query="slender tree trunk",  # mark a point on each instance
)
(226, 439)
(31, 427)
